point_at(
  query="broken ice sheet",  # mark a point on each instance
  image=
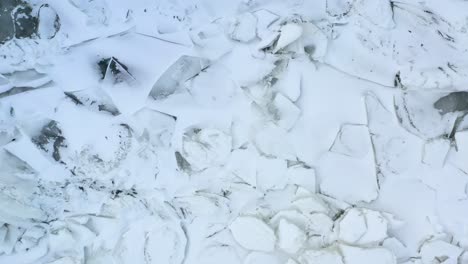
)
(302, 175)
(315, 41)
(290, 237)
(211, 41)
(289, 81)
(202, 204)
(244, 27)
(437, 251)
(17, 189)
(28, 79)
(93, 99)
(397, 247)
(24, 149)
(357, 172)
(283, 112)
(435, 152)
(357, 255)
(271, 173)
(289, 33)
(416, 113)
(241, 166)
(362, 227)
(173, 79)
(352, 140)
(371, 52)
(264, 19)
(395, 148)
(253, 234)
(203, 148)
(272, 140)
(212, 88)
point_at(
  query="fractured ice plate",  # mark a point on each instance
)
(185, 68)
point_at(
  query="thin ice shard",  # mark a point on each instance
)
(185, 68)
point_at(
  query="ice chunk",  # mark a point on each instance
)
(437, 251)
(302, 175)
(435, 152)
(93, 99)
(28, 78)
(164, 245)
(240, 164)
(357, 255)
(315, 42)
(320, 227)
(212, 88)
(202, 204)
(289, 34)
(272, 140)
(371, 52)
(290, 237)
(290, 82)
(395, 148)
(264, 19)
(399, 249)
(19, 213)
(271, 173)
(354, 180)
(322, 256)
(25, 150)
(253, 234)
(293, 216)
(152, 126)
(207, 147)
(49, 22)
(185, 68)
(352, 140)
(363, 227)
(310, 205)
(157, 239)
(244, 28)
(211, 41)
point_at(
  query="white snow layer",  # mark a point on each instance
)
(233, 131)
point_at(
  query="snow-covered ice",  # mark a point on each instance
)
(233, 131)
